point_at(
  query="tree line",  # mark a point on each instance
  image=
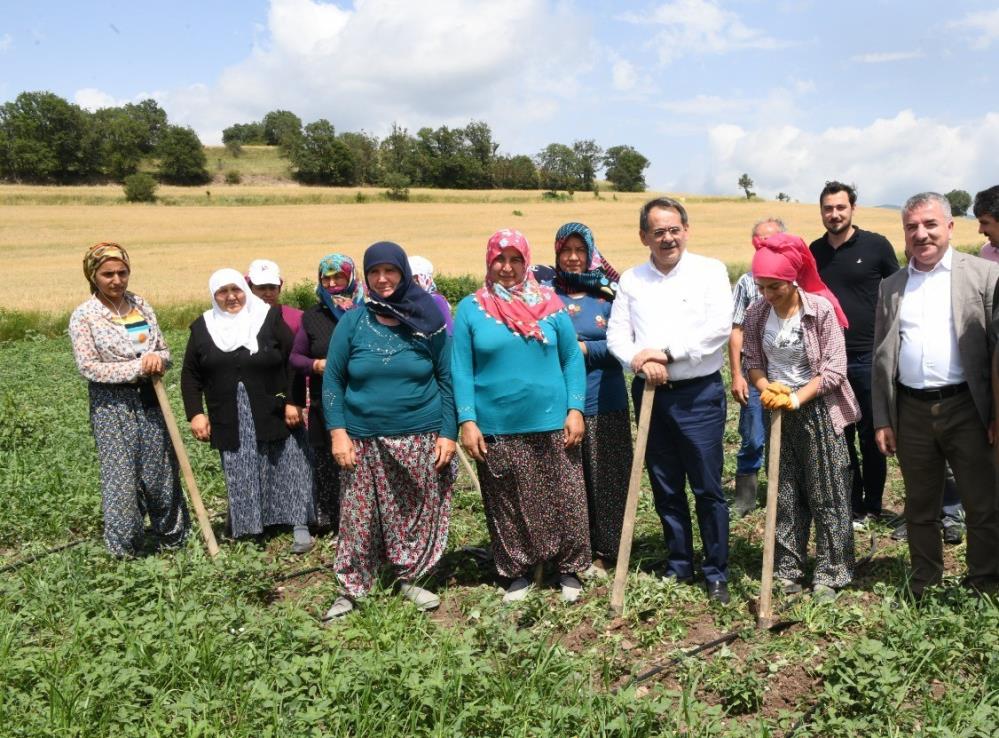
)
(45, 139)
(458, 158)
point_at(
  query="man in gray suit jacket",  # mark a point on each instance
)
(932, 389)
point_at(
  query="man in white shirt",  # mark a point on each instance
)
(932, 389)
(670, 322)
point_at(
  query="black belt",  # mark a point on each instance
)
(933, 393)
(678, 383)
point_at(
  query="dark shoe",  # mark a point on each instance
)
(901, 533)
(745, 495)
(953, 534)
(718, 592)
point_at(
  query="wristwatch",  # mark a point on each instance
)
(669, 356)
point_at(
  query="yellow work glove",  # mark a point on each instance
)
(773, 401)
(778, 388)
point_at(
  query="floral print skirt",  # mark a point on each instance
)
(138, 469)
(607, 469)
(395, 508)
(535, 501)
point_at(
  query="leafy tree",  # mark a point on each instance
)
(121, 142)
(449, 161)
(960, 201)
(281, 128)
(182, 157)
(153, 120)
(515, 173)
(43, 138)
(746, 183)
(140, 187)
(625, 168)
(364, 148)
(319, 157)
(783, 197)
(399, 155)
(558, 168)
(398, 186)
(244, 133)
(588, 158)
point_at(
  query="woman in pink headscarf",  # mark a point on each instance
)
(796, 357)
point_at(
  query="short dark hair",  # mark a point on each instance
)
(666, 203)
(833, 187)
(987, 203)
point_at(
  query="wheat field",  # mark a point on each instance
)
(174, 248)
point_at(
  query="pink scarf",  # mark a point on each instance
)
(786, 257)
(520, 307)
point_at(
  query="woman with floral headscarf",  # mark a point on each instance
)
(119, 348)
(338, 291)
(520, 389)
(587, 283)
(237, 360)
(389, 408)
(795, 355)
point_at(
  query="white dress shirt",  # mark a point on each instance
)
(688, 311)
(928, 356)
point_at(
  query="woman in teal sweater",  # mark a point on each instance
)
(520, 390)
(389, 409)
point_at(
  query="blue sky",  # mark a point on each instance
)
(894, 96)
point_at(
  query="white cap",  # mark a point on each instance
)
(264, 271)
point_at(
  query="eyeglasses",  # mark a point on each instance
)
(660, 233)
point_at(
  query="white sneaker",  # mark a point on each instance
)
(518, 590)
(423, 599)
(572, 588)
(340, 607)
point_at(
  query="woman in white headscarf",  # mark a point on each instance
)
(423, 275)
(237, 361)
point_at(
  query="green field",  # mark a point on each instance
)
(173, 644)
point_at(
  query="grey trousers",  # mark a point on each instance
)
(930, 434)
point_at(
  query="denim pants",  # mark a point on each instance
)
(871, 467)
(750, 456)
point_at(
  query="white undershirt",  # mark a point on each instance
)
(928, 355)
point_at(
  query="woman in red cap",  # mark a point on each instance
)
(796, 357)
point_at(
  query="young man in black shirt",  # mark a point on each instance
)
(852, 262)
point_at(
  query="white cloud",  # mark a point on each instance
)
(392, 60)
(685, 27)
(880, 57)
(94, 99)
(889, 159)
(983, 25)
(6, 42)
(705, 105)
(624, 76)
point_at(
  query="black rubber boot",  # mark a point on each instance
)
(745, 495)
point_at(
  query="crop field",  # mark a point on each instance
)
(174, 644)
(176, 244)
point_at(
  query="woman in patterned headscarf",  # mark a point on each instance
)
(389, 409)
(520, 389)
(795, 356)
(587, 285)
(338, 291)
(119, 348)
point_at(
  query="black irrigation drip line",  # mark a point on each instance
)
(40, 555)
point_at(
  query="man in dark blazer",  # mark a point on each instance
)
(932, 389)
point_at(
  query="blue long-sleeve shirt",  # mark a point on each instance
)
(509, 384)
(382, 380)
(605, 387)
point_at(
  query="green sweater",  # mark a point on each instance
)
(382, 381)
